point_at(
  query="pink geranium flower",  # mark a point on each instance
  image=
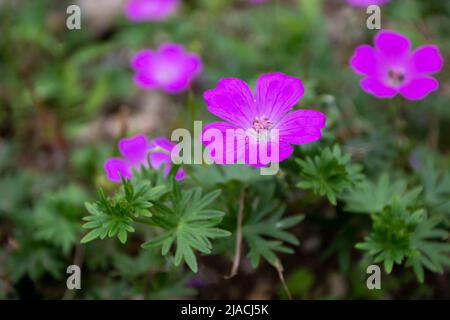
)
(150, 10)
(136, 152)
(366, 3)
(390, 67)
(259, 112)
(170, 68)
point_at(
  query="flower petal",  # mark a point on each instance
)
(230, 153)
(364, 60)
(150, 10)
(162, 142)
(232, 100)
(276, 94)
(392, 45)
(285, 150)
(142, 58)
(115, 168)
(302, 126)
(145, 80)
(419, 88)
(135, 149)
(376, 88)
(426, 59)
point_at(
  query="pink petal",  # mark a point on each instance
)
(232, 152)
(232, 100)
(426, 59)
(171, 50)
(159, 158)
(145, 80)
(135, 149)
(366, 3)
(142, 59)
(115, 168)
(276, 94)
(180, 174)
(302, 126)
(377, 88)
(419, 88)
(364, 60)
(193, 64)
(393, 46)
(163, 143)
(150, 10)
(285, 150)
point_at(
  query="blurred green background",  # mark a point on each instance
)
(67, 96)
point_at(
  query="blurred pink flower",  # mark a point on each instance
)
(170, 68)
(366, 3)
(267, 109)
(390, 67)
(150, 10)
(136, 152)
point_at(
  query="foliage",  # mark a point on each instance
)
(188, 223)
(402, 231)
(378, 180)
(329, 173)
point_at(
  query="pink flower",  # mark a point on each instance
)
(390, 67)
(259, 113)
(136, 152)
(170, 68)
(150, 10)
(366, 3)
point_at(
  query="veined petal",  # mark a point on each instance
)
(232, 100)
(276, 94)
(231, 151)
(302, 126)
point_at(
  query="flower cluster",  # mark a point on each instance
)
(263, 118)
(138, 152)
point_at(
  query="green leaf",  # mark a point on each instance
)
(189, 224)
(329, 173)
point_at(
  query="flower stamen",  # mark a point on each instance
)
(262, 124)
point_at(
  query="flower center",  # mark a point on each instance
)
(261, 124)
(396, 77)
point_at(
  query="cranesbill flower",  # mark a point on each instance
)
(136, 152)
(366, 3)
(150, 10)
(258, 113)
(170, 68)
(161, 149)
(390, 67)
